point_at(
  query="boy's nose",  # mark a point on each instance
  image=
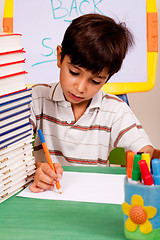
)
(81, 86)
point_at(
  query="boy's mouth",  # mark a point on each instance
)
(74, 97)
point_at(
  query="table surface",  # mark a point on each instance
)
(32, 219)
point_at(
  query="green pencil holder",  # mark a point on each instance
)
(141, 211)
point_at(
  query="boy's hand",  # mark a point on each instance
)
(147, 149)
(45, 177)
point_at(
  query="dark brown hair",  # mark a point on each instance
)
(95, 42)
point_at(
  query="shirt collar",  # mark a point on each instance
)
(56, 94)
(96, 101)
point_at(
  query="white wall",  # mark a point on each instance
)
(146, 105)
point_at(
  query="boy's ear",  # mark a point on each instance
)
(59, 53)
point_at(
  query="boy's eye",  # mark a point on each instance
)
(73, 73)
(95, 82)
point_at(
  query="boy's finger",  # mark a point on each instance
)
(33, 187)
(59, 169)
(44, 185)
(46, 179)
(47, 170)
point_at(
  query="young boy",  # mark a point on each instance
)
(81, 123)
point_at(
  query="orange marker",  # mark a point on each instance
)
(129, 157)
(49, 160)
(8, 16)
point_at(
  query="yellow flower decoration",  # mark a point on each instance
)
(138, 215)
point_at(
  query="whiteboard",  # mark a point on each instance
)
(43, 23)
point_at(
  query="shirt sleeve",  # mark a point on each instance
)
(127, 132)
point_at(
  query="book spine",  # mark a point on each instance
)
(15, 100)
(17, 106)
(14, 74)
(11, 63)
(15, 92)
(10, 34)
(18, 136)
(11, 52)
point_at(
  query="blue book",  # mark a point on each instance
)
(9, 108)
(14, 114)
(12, 111)
(12, 132)
(14, 97)
(9, 125)
(12, 104)
(7, 142)
(21, 142)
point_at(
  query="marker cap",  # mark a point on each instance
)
(41, 136)
(140, 153)
(136, 173)
(156, 171)
(130, 157)
(146, 157)
(146, 175)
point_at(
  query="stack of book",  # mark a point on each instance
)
(17, 164)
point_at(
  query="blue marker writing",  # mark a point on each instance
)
(156, 171)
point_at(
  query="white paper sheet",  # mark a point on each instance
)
(85, 187)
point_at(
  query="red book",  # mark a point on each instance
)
(12, 82)
(10, 42)
(12, 56)
(11, 68)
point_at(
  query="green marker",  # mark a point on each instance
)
(136, 173)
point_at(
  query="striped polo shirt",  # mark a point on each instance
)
(107, 123)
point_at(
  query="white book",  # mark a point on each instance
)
(17, 168)
(24, 173)
(17, 142)
(14, 56)
(5, 159)
(12, 82)
(11, 68)
(22, 149)
(6, 164)
(15, 188)
(15, 145)
(14, 165)
(6, 196)
(14, 184)
(10, 42)
(15, 139)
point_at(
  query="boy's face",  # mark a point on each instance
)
(78, 84)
